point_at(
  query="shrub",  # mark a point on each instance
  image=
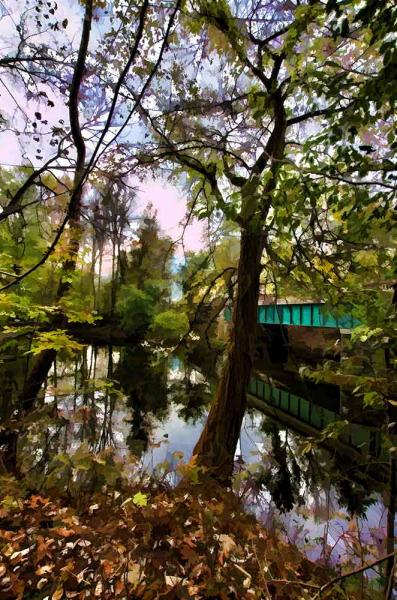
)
(170, 325)
(135, 309)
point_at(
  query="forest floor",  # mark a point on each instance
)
(148, 541)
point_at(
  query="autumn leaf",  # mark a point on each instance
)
(227, 546)
(98, 589)
(45, 569)
(140, 499)
(41, 583)
(57, 595)
(107, 567)
(62, 531)
(133, 574)
(172, 580)
(119, 588)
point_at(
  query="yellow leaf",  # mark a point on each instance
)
(227, 546)
(140, 499)
(133, 575)
(57, 595)
(366, 258)
(44, 569)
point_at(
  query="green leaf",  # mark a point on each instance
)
(140, 499)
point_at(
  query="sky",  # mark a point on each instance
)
(168, 200)
(170, 204)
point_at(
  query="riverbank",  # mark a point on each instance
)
(149, 541)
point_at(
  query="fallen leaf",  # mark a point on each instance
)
(133, 575)
(140, 499)
(41, 583)
(64, 532)
(92, 508)
(227, 546)
(107, 566)
(119, 588)
(45, 569)
(172, 580)
(57, 595)
(98, 589)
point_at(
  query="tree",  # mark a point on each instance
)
(263, 143)
(86, 78)
(116, 216)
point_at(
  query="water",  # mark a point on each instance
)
(151, 408)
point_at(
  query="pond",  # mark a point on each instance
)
(150, 409)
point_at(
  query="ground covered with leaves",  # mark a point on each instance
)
(148, 541)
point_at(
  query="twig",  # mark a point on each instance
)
(351, 573)
(390, 582)
(291, 582)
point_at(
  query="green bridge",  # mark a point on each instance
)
(304, 315)
(362, 438)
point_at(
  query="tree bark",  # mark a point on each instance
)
(390, 538)
(217, 444)
(44, 360)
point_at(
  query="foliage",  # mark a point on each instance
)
(57, 340)
(135, 309)
(147, 541)
(170, 325)
(280, 119)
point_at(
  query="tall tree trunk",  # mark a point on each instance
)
(98, 295)
(217, 444)
(92, 269)
(114, 281)
(390, 536)
(44, 360)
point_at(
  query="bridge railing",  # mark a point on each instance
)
(303, 315)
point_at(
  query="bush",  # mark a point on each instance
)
(170, 325)
(134, 309)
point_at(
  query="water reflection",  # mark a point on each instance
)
(151, 406)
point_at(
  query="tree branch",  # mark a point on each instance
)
(351, 573)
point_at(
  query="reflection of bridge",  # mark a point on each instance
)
(311, 418)
(311, 314)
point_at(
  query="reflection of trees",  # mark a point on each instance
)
(145, 385)
(281, 473)
(290, 471)
(191, 395)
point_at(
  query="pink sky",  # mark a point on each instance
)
(170, 204)
(167, 199)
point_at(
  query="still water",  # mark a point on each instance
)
(151, 408)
